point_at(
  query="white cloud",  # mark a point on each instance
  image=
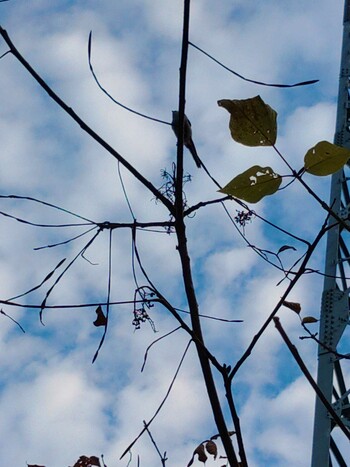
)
(55, 406)
(277, 423)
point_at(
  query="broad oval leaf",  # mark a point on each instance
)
(252, 122)
(325, 158)
(253, 184)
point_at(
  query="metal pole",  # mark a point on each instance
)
(335, 299)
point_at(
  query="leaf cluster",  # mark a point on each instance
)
(254, 123)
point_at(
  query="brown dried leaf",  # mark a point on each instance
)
(293, 306)
(212, 448)
(286, 247)
(85, 461)
(95, 461)
(101, 320)
(202, 457)
(309, 319)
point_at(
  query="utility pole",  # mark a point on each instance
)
(334, 320)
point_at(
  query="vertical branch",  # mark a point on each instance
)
(199, 342)
(235, 419)
(185, 259)
(182, 101)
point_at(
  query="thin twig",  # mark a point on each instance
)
(154, 342)
(125, 193)
(291, 285)
(321, 344)
(163, 457)
(147, 424)
(81, 252)
(260, 83)
(16, 322)
(108, 294)
(46, 278)
(65, 242)
(45, 203)
(36, 224)
(129, 109)
(162, 300)
(83, 125)
(215, 318)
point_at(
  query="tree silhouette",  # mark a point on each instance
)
(252, 123)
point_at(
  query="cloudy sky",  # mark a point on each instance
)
(55, 404)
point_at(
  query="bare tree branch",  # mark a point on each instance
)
(302, 366)
(83, 125)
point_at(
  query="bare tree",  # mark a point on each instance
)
(253, 123)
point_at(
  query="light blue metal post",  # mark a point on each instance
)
(335, 300)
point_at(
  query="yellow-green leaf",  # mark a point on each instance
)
(253, 184)
(252, 122)
(325, 158)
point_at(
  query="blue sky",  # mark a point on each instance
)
(55, 405)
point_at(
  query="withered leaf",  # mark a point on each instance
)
(200, 451)
(293, 306)
(85, 461)
(101, 320)
(212, 448)
(286, 247)
(309, 319)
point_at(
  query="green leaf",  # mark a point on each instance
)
(253, 184)
(325, 158)
(252, 122)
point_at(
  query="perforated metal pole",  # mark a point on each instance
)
(335, 299)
